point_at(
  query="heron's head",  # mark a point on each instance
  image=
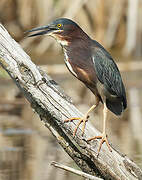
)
(63, 30)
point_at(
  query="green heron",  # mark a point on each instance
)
(89, 62)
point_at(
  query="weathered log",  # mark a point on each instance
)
(54, 106)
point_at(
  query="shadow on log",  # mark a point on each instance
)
(54, 106)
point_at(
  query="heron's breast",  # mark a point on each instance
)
(81, 69)
(69, 64)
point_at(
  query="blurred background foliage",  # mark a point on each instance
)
(114, 23)
(27, 148)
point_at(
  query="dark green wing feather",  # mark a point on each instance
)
(107, 72)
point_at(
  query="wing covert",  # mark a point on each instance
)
(107, 72)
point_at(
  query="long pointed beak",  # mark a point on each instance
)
(42, 30)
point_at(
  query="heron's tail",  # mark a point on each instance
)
(117, 107)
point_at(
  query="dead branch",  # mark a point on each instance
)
(53, 107)
(74, 171)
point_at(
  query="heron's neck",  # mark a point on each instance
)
(77, 49)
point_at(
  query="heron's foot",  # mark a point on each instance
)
(103, 138)
(83, 120)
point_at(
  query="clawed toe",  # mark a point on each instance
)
(84, 119)
(71, 119)
(81, 120)
(103, 138)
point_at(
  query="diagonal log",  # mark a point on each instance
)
(54, 106)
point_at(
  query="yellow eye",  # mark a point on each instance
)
(59, 25)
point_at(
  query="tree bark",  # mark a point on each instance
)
(54, 106)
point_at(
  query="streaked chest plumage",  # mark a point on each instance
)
(80, 66)
(68, 63)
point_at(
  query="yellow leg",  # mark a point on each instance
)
(103, 137)
(83, 119)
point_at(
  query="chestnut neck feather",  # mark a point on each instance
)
(78, 48)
